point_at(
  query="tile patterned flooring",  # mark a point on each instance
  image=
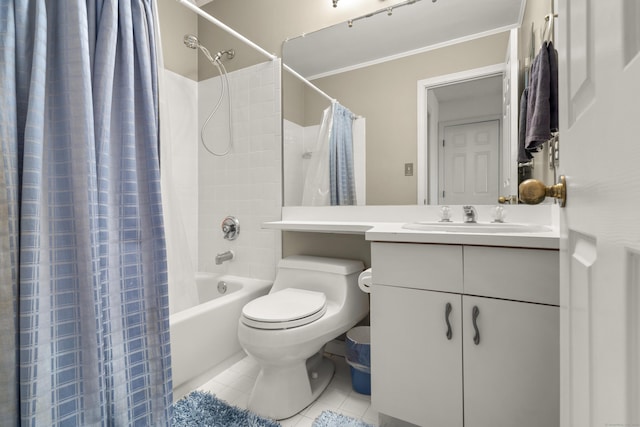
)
(234, 386)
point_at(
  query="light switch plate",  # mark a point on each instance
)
(408, 169)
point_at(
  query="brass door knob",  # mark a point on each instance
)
(533, 191)
(512, 200)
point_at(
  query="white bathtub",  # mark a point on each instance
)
(204, 338)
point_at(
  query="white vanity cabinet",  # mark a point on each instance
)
(465, 335)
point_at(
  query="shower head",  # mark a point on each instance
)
(191, 41)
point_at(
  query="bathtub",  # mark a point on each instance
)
(204, 338)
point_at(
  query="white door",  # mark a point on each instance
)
(469, 163)
(599, 45)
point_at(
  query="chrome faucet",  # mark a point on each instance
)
(470, 214)
(224, 256)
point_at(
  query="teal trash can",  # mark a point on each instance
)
(358, 356)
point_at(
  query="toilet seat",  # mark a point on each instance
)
(288, 308)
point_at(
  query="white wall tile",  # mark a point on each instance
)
(183, 164)
(247, 182)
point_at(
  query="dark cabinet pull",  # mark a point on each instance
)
(447, 312)
(475, 313)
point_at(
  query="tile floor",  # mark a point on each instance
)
(234, 385)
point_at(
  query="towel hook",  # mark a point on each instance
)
(547, 32)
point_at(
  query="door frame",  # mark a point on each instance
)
(427, 164)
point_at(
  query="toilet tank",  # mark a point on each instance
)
(334, 276)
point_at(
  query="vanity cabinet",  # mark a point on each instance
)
(465, 335)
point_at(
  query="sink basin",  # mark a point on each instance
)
(476, 227)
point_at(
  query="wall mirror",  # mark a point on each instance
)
(386, 66)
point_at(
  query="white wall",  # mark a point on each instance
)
(179, 170)
(475, 107)
(247, 183)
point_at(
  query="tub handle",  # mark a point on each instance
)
(231, 228)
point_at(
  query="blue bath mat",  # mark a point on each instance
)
(331, 419)
(202, 409)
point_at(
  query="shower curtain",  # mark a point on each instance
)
(342, 184)
(83, 282)
(316, 184)
(330, 177)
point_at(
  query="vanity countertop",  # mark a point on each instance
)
(385, 224)
(377, 227)
(393, 232)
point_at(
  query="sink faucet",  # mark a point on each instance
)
(470, 213)
(224, 256)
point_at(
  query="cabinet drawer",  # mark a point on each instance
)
(512, 273)
(419, 266)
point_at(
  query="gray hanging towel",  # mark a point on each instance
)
(543, 92)
(553, 87)
(524, 156)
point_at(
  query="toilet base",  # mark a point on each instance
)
(282, 391)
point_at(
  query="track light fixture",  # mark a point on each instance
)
(388, 10)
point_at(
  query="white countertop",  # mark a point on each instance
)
(384, 224)
(395, 233)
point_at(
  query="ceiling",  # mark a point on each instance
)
(409, 29)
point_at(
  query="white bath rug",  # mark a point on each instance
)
(332, 419)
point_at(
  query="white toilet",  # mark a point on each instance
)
(313, 300)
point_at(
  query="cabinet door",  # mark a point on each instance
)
(511, 376)
(416, 368)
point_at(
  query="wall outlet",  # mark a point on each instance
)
(408, 169)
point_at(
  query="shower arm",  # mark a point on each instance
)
(220, 24)
(223, 26)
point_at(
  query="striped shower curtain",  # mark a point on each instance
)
(342, 182)
(83, 282)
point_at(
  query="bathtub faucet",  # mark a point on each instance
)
(224, 256)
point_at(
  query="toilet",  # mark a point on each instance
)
(313, 300)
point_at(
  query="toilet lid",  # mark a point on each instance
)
(284, 309)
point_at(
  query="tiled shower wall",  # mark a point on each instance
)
(247, 182)
(299, 144)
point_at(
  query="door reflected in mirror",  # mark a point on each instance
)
(466, 121)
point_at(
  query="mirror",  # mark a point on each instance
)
(374, 68)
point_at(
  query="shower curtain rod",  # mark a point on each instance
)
(220, 24)
(223, 26)
(307, 82)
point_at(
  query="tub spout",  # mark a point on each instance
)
(224, 256)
